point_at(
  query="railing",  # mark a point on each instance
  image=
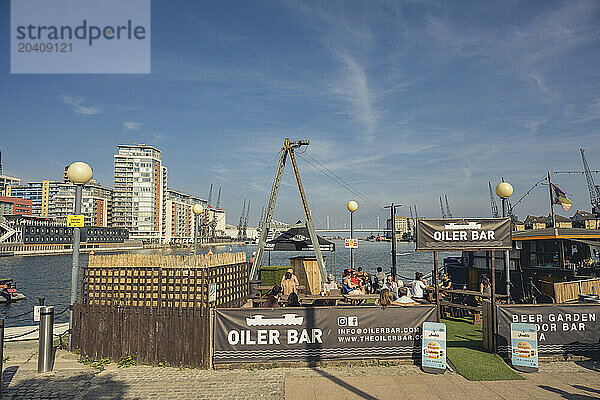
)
(563, 292)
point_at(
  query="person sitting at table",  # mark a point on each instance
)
(391, 286)
(288, 284)
(330, 284)
(273, 297)
(364, 279)
(386, 298)
(446, 282)
(418, 287)
(349, 287)
(404, 299)
(356, 281)
(379, 280)
(484, 285)
(293, 301)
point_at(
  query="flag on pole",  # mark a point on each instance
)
(560, 197)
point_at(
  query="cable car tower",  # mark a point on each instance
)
(287, 149)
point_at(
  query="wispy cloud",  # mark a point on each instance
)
(134, 126)
(78, 107)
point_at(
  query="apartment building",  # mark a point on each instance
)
(402, 225)
(42, 195)
(96, 204)
(7, 183)
(139, 197)
(180, 217)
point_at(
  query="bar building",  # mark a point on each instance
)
(139, 197)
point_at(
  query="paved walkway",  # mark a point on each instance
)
(72, 380)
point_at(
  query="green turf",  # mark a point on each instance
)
(465, 351)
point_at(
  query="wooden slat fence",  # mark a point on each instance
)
(155, 307)
(165, 282)
(569, 291)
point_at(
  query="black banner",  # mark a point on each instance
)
(463, 234)
(561, 328)
(318, 333)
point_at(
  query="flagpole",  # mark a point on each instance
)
(552, 205)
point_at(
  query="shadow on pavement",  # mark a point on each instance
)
(593, 365)
(586, 389)
(7, 376)
(567, 395)
(345, 385)
(85, 385)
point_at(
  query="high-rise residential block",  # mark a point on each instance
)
(96, 204)
(180, 217)
(139, 198)
(42, 195)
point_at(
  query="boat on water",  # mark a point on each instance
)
(8, 291)
(539, 259)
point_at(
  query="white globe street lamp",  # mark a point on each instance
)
(504, 190)
(79, 173)
(197, 209)
(352, 206)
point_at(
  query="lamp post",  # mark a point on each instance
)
(79, 173)
(352, 206)
(197, 209)
(504, 190)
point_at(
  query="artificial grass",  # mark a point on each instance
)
(465, 351)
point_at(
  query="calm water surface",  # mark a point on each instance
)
(50, 276)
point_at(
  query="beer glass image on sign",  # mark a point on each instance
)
(286, 319)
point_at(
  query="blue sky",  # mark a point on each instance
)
(404, 100)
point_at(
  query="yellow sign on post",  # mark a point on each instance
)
(75, 221)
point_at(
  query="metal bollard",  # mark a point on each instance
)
(1, 351)
(45, 361)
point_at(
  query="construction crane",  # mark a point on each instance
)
(288, 150)
(241, 223)
(495, 213)
(594, 190)
(442, 208)
(245, 225)
(448, 213)
(219, 199)
(210, 197)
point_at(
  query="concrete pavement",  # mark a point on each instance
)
(73, 380)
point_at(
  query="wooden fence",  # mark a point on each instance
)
(563, 292)
(165, 282)
(156, 308)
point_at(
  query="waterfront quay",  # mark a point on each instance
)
(72, 379)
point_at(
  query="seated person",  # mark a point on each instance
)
(349, 287)
(379, 280)
(387, 299)
(391, 286)
(364, 279)
(273, 297)
(293, 300)
(418, 287)
(446, 282)
(404, 299)
(330, 284)
(288, 284)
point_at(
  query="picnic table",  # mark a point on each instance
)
(457, 299)
(264, 289)
(330, 300)
(355, 299)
